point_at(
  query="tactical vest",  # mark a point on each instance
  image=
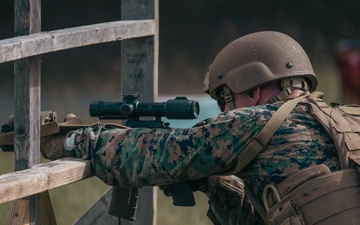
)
(314, 195)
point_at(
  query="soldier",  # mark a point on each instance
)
(284, 167)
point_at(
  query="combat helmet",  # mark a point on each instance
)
(257, 59)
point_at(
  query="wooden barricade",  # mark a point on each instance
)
(28, 186)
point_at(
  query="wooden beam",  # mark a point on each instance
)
(139, 57)
(139, 74)
(45, 42)
(27, 76)
(43, 177)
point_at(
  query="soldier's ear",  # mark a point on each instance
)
(254, 95)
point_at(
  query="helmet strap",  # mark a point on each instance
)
(228, 97)
(206, 83)
(289, 85)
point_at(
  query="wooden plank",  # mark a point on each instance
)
(27, 112)
(27, 103)
(20, 212)
(139, 57)
(47, 215)
(43, 177)
(45, 42)
(139, 74)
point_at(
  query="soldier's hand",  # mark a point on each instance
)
(201, 184)
(53, 146)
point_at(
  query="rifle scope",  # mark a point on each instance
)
(178, 108)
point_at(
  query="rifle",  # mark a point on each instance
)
(139, 114)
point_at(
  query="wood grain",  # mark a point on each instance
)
(46, 42)
(43, 177)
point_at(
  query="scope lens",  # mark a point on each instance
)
(196, 109)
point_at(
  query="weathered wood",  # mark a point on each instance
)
(20, 212)
(27, 17)
(27, 112)
(43, 177)
(27, 101)
(47, 215)
(139, 74)
(141, 59)
(45, 42)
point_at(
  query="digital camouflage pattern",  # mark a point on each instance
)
(143, 156)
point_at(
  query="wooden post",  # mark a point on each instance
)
(139, 75)
(139, 57)
(27, 109)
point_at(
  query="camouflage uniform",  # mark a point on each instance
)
(142, 156)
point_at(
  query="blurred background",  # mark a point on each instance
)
(191, 34)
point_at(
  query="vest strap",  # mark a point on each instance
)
(262, 139)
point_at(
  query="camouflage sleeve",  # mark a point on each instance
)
(228, 204)
(142, 156)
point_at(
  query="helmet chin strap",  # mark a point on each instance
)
(228, 97)
(289, 85)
